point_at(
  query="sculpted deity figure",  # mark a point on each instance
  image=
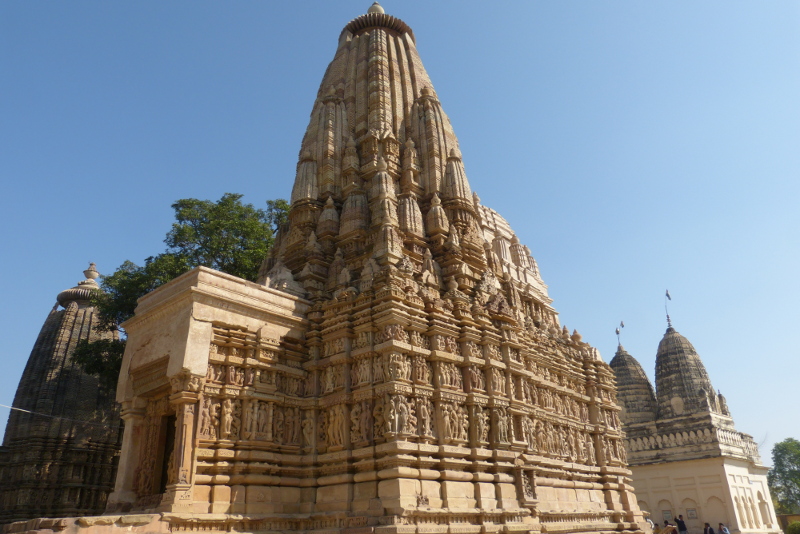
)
(214, 409)
(447, 427)
(424, 411)
(205, 417)
(378, 418)
(262, 417)
(463, 424)
(365, 421)
(308, 429)
(278, 425)
(482, 424)
(541, 439)
(590, 453)
(501, 424)
(227, 418)
(355, 424)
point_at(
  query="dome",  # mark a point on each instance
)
(634, 391)
(682, 382)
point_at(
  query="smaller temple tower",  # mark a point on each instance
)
(686, 456)
(61, 444)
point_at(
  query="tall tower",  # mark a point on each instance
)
(400, 367)
(63, 436)
(686, 456)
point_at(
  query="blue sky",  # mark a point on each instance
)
(633, 146)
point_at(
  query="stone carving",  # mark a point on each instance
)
(422, 370)
(450, 375)
(482, 424)
(308, 429)
(455, 423)
(398, 367)
(498, 381)
(335, 425)
(209, 418)
(501, 425)
(475, 379)
(332, 378)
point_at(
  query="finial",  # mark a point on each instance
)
(666, 310)
(435, 200)
(619, 329)
(410, 143)
(91, 273)
(329, 202)
(382, 164)
(453, 153)
(376, 8)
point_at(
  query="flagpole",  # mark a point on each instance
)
(666, 309)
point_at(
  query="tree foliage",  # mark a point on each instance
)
(784, 477)
(226, 235)
(101, 358)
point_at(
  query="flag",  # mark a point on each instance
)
(617, 331)
(670, 298)
(622, 324)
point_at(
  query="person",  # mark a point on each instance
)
(655, 526)
(668, 528)
(723, 529)
(681, 525)
(708, 529)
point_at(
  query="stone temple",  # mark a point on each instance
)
(61, 443)
(686, 455)
(398, 368)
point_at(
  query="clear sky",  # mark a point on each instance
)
(633, 146)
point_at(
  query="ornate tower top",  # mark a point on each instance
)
(682, 382)
(634, 390)
(81, 293)
(380, 179)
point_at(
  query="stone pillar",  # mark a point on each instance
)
(124, 494)
(185, 396)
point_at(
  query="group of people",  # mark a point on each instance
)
(680, 527)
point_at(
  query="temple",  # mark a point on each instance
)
(686, 455)
(397, 368)
(63, 435)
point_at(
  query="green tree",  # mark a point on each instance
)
(226, 235)
(784, 477)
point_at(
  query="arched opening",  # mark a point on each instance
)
(714, 512)
(691, 514)
(665, 511)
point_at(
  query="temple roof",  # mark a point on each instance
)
(380, 179)
(634, 390)
(682, 382)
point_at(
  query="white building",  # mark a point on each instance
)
(686, 455)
